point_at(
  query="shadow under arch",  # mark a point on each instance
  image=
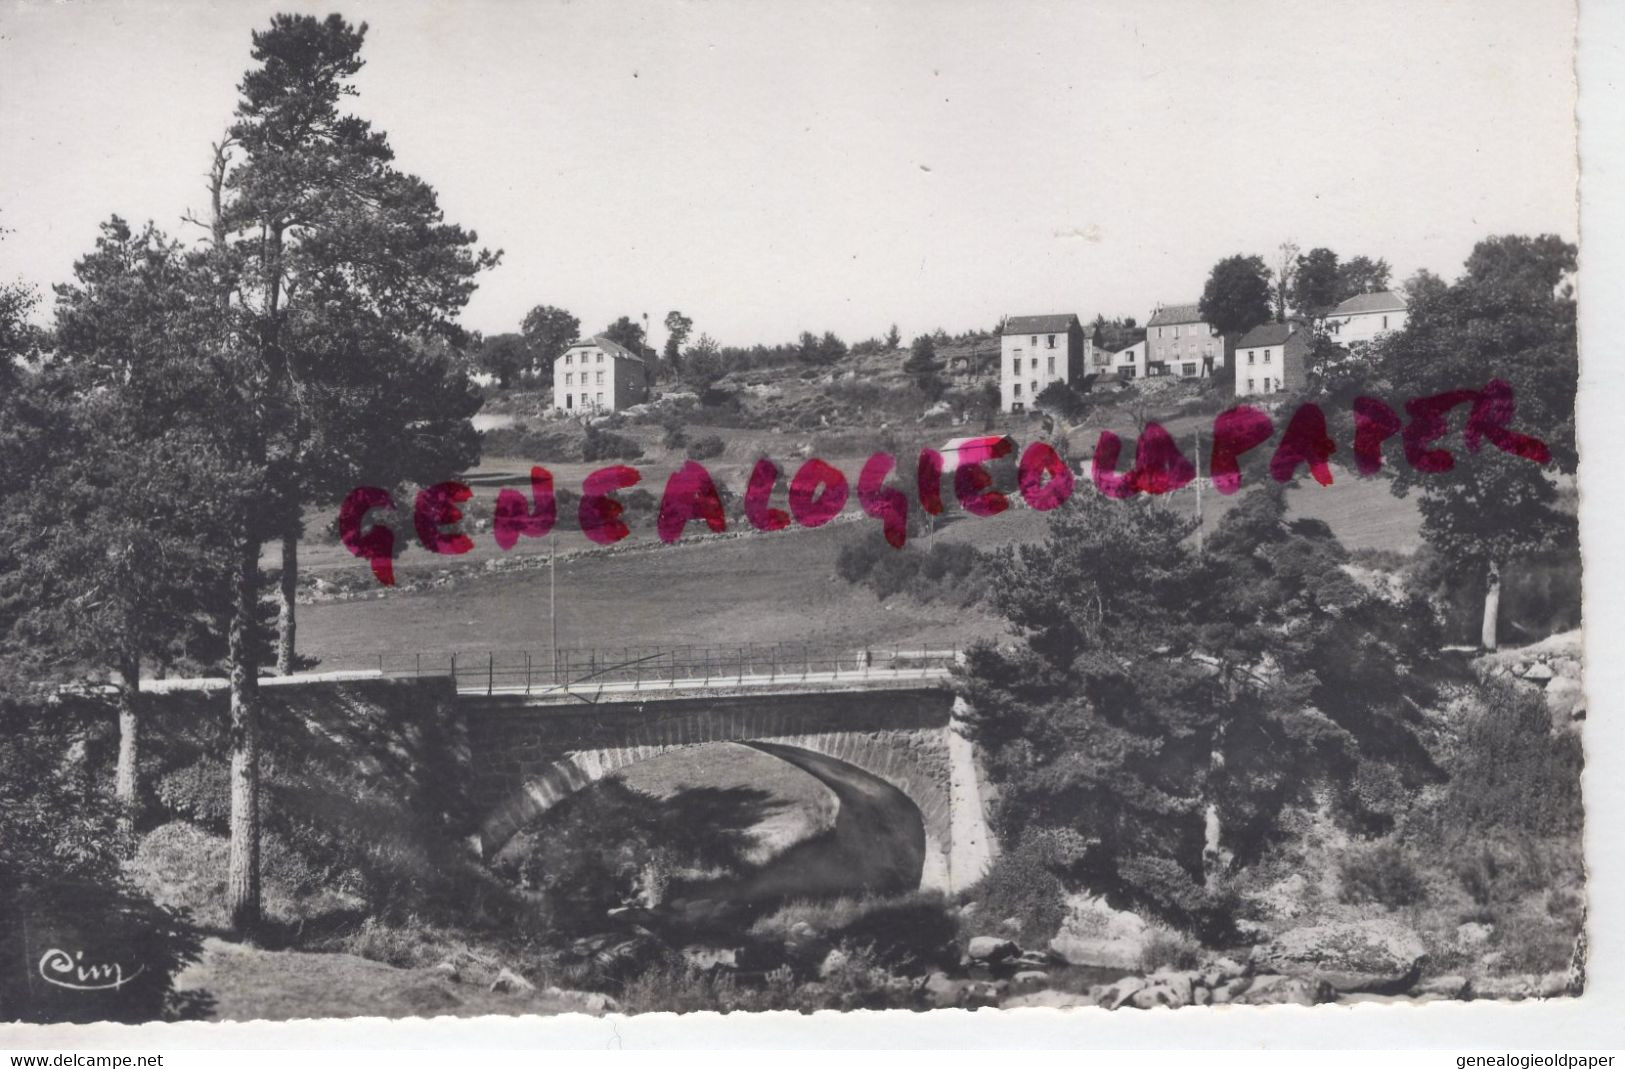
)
(878, 841)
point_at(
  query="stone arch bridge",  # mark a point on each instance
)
(531, 751)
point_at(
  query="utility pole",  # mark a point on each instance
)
(552, 599)
(1198, 491)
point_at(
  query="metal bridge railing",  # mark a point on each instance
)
(666, 667)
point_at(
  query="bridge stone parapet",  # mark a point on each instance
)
(528, 754)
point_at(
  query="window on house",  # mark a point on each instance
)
(569, 401)
(1016, 366)
(566, 358)
(568, 377)
(1251, 354)
(1384, 322)
(1249, 385)
(1015, 391)
(1176, 332)
(1035, 363)
(600, 398)
(1052, 337)
(600, 378)
(1266, 356)
(1052, 365)
(1017, 406)
(1188, 369)
(600, 358)
(1035, 341)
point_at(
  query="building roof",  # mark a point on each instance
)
(1269, 334)
(614, 348)
(1168, 315)
(1383, 301)
(1050, 324)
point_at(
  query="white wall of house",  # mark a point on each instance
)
(1027, 364)
(588, 379)
(1363, 327)
(1260, 369)
(1131, 362)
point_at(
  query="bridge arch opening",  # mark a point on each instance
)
(876, 838)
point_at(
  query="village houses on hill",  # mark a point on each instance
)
(1270, 358)
(599, 375)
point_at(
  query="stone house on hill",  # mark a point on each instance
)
(1035, 351)
(1271, 359)
(599, 375)
(1178, 339)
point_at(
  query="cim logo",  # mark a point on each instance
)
(62, 969)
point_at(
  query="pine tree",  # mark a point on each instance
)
(340, 279)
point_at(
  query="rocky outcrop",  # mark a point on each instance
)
(1097, 935)
(1377, 956)
(1553, 665)
(991, 949)
(509, 981)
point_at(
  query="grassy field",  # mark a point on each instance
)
(777, 588)
(242, 983)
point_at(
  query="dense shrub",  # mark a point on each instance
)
(912, 935)
(857, 558)
(551, 443)
(674, 437)
(1511, 771)
(949, 570)
(63, 892)
(1383, 874)
(607, 445)
(706, 448)
(1168, 949)
(1161, 886)
(1019, 884)
(1060, 396)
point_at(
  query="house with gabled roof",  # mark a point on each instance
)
(599, 375)
(1271, 358)
(1179, 339)
(1365, 317)
(1131, 363)
(1035, 351)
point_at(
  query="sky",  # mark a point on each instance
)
(769, 167)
